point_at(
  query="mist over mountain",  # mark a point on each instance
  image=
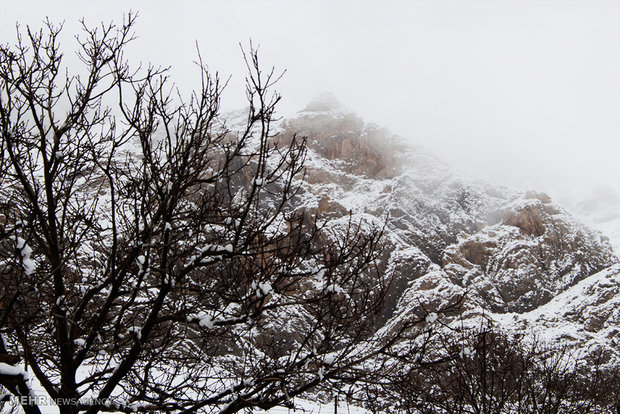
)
(524, 94)
(520, 259)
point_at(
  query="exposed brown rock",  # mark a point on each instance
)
(474, 252)
(542, 197)
(324, 204)
(367, 150)
(528, 220)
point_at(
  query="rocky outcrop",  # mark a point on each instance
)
(505, 251)
(535, 253)
(338, 134)
(585, 316)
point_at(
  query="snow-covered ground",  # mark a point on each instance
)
(301, 407)
(310, 407)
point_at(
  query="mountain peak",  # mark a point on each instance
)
(326, 101)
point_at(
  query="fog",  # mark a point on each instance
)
(521, 93)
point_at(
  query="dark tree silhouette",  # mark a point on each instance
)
(150, 257)
(486, 371)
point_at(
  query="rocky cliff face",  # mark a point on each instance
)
(514, 256)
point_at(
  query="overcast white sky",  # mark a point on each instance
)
(524, 93)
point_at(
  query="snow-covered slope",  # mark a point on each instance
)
(517, 257)
(587, 315)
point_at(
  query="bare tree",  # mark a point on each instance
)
(484, 371)
(151, 259)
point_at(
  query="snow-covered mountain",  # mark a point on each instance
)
(517, 258)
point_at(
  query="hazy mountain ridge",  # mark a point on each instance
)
(518, 258)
